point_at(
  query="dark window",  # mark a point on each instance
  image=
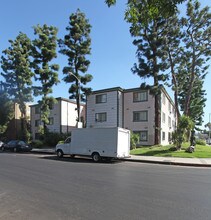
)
(140, 96)
(37, 109)
(163, 136)
(101, 117)
(140, 116)
(143, 135)
(101, 98)
(51, 121)
(37, 123)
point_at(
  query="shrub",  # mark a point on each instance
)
(52, 138)
(37, 144)
(200, 142)
(134, 140)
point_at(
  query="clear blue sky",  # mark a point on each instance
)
(113, 54)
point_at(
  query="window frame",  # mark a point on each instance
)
(140, 120)
(99, 117)
(169, 121)
(51, 120)
(163, 117)
(163, 135)
(138, 94)
(37, 110)
(99, 98)
(37, 123)
(139, 133)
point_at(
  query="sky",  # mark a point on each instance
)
(112, 54)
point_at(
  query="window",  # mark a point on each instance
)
(163, 136)
(100, 117)
(51, 106)
(143, 135)
(169, 121)
(163, 117)
(169, 137)
(37, 136)
(173, 124)
(163, 99)
(37, 123)
(68, 140)
(37, 109)
(140, 116)
(170, 107)
(101, 98)
(50, 121)
(140, 96)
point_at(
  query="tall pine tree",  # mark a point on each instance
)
(6, 110)
(76, 46)
(43, 52)
(150, 52)
(18, 75)
(197, 50)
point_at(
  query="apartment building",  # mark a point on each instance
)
(14, 127)
(133, 109)
(62, 118)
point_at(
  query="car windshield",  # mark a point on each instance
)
(12, 142)
(22, 143)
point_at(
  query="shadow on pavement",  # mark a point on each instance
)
(78, 160)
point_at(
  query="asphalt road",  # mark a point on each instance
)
(36, 187)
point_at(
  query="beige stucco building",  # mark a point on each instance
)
(14, 127)
(62, 118)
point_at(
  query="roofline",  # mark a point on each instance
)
(62, 99)
(134, 89)
(108, 90)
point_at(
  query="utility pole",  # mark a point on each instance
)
(79, 124)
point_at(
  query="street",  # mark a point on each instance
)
(34, 186)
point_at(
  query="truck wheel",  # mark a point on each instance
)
(96, 157)
(59, 153)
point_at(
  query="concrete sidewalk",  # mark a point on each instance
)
(196, 162)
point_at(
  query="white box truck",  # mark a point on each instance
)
(98, 143)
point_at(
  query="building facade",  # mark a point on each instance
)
(14, 129)
(62, 118)
(133, 109)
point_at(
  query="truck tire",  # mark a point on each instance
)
(96, 157)
(59, 153)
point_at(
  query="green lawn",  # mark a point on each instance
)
(164, 151)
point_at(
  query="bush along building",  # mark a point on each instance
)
(133, 109)
(62, 118)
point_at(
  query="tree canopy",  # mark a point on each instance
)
(43, 53)
(155, 8)
(18, 75)
(76, 45)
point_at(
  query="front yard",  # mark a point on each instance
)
(165, 151)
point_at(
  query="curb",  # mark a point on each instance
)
(168, 163)
(39, 151)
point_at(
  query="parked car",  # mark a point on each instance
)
(16, 145)
(1, 144)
